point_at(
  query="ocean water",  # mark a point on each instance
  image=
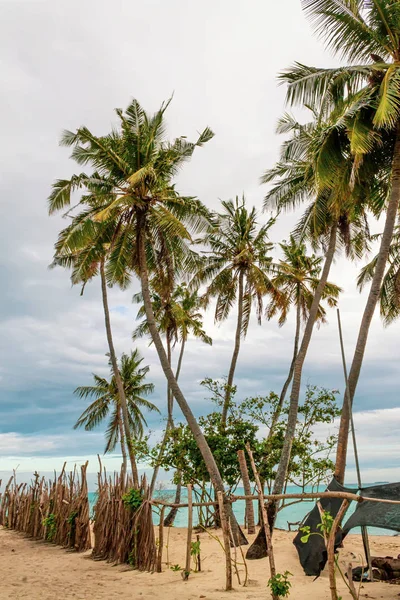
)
(293, 513)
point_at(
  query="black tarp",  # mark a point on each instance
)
(313, 554)
(376, 514)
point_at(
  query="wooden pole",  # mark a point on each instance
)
(186, 573)
(331, 548)
(227, 543)
(198, 556)
(160, 540)
(364, 530)
(247, 490)
(267, 530)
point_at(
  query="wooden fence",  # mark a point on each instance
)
(56, 510)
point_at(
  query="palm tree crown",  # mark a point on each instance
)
(106, 400)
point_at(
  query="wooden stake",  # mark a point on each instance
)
(186, 573)
(267, 530)
(160, 540)
(198, 556)
(247, 490)
(331, 548)
(227, 543)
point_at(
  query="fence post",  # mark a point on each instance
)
(160, 540)
(186, 573)
(247, 490)
(227, 544)
(267, 530)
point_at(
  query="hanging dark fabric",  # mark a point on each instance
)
(313, 555)
(375, 514)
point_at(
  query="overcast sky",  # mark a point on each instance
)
(68, 63)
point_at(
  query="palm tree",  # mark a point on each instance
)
(136, 195)
(86, 263)
(367, 33)
(236, 270)
(296, 278)
(178, 315)
(315, 166)
(107, 400)
(390, 290)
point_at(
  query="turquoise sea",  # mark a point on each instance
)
(295, 512)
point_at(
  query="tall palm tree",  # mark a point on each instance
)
(390, 290)
(316, 168)
(366, 33)
(178, 316)
(296, 278)
(86, 263)
(107, 400)
(137, 196)
(236, 270)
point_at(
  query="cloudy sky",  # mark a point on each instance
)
(64, 64)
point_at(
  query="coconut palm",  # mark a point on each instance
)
(316, 168)
(235, 270)
(86, 263)
(107, 403)
(390, 290)
(137, 196)
(178, 316)
(366, 33)
(296, 278)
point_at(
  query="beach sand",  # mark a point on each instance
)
(40, 571)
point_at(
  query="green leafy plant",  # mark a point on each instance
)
(280, 584)
(176, 568)
(50, 523)
(132, 499)
(195, 552)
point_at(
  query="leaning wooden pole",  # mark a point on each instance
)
(227, 543)
(186, 573)
(364, 530)
(330, 547)
(267, 529)
(247, 490)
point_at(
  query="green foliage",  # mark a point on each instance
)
(280, 584)
(51, 523)
(132, 499)
(176, 568)
(325, 527)
(72, 518)
(195, 548)
(249, 421)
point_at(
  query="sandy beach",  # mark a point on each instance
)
(41, 571)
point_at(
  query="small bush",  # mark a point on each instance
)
(280, 585)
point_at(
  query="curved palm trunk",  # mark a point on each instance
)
(372, 300)
(260, 547)
(117, 375)
(170, 398)
(122, 442)
(198, 435)
(170, 518)
(235, 354)
(170, 424)
(291, 371)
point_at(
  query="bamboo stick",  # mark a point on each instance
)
(186, 573)
(246, 484)
(268, 537)
(331, 548)
(160, 540)
(227, 545)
